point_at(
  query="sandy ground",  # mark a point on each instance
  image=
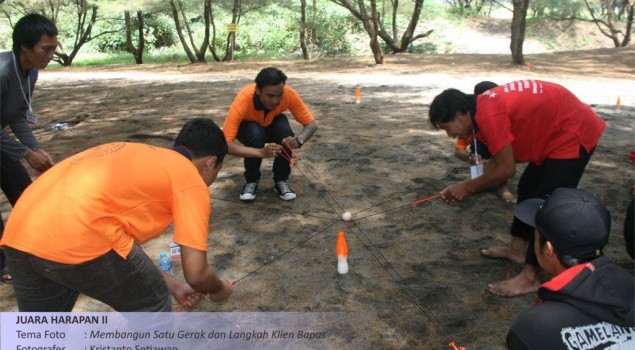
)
(416, 274)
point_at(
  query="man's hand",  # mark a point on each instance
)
(455, 193)
(270, 150)
(39, 160)
(223, 293)
(185, 295)
(292, 142)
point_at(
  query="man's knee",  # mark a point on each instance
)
(251, 134)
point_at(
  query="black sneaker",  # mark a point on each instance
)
(249, 192)
(283, 191)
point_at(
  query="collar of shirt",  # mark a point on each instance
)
(258, 104)
(183, 151)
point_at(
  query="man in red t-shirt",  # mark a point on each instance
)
(531, 121)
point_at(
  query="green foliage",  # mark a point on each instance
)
(159, 32)
(556, 8)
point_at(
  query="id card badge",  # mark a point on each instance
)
(476, 171)
(31, 118)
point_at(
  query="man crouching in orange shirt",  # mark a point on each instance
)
(96, 207)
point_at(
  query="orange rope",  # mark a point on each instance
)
(426, 199)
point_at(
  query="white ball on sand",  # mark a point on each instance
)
(347, 216)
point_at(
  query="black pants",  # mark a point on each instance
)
(14, 179)
(252, 134)
(539, 181)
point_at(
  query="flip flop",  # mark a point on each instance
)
(5, 277)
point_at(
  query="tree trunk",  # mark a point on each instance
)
(519, 24)
(375, 28)
(305, 51)
(231, 37)
(82, 31)
(630, 8)
(137, 53)
(374, 41)
(212, 42)
(179, 30)
(200, 53)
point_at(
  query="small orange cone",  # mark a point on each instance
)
(618, 104)
(341, 249)
(358, 95)
(529, 66)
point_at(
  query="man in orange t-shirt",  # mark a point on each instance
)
(256, 118)
(531, 121)
(93, 211)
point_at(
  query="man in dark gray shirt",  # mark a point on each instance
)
(34, 41)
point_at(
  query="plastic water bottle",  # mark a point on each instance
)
(60, 126)
(165, 263)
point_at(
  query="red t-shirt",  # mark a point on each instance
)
(539, 119)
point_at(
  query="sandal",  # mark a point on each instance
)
(5, 277)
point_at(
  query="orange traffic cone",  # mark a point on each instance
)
(618, 104)
(358, 95)
(342, 253)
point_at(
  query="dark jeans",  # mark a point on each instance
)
(539, 181)
(131, 284)
(252, 134)
(14, 179)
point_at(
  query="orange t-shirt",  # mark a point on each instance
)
(243, 109)
(463, 144)
(108, 197)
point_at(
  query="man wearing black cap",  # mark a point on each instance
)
(589, 304)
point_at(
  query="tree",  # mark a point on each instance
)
(610, 26)
(74, 18)
(519, 24)
(180, 12)
(375, 24)
(137, 52)
(303, 29)
(370, 23)
(471, 6)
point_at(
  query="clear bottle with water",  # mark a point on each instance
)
(165, 263)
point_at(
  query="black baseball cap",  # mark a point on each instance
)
(573, 220)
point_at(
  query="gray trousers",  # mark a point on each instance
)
(131, 284)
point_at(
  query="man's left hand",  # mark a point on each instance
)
(292, 142)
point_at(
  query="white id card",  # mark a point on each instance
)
(476, 171)
(31, 118)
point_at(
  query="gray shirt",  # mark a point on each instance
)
(13, 107)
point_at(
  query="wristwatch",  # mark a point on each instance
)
(300, 141)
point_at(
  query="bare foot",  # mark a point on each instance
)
(505, 195)
(513, 287)
(506, 252)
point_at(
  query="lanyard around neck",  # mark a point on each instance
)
(475, 146)
(28, 83)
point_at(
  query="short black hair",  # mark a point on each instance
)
(484, 86)
(270, 76)
(444, 107)
(566, 260)
(202, 137)
(29, 29)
